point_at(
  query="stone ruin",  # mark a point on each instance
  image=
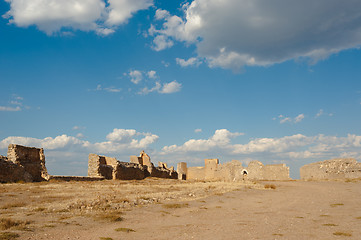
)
(234, 171)
(337, 168)
(23, 164)
(138, 168)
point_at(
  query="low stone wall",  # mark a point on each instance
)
(338, 168)
(75, 178)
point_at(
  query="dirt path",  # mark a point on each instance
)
(294, 210)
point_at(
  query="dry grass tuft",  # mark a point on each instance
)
(127, 230)
(7, 223)
(175, 205)
(271, 186)
(112, 217)
(336, 204)
(324, 215)
(358, 217)
(13, 205)
(278, 234)
(329, 225)
(8, 236)
(342, 234)
(106, 238)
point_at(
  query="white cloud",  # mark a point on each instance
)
(235, 33)
(268, 150)
(152, 74)
(136, 76)
(220, 139)
(322, 113)
(190, 62)
(10, 109)
(299, 118)
(78, 128)
(119, 140)
(121, 10)
(198, 130)
(107, 89)
(171, 87)
(162, 42)
(284, 119)
(166, 88)
(52, 16)
(146, 90)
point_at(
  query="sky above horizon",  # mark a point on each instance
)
(274, 81)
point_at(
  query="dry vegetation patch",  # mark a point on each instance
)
(344, 234)
(8, 236)
(127, 230)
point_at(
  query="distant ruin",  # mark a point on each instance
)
(23, 164)
(234, 171)
(28, 164)
(138, 168)
(337, 168)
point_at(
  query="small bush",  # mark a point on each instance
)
(7, 223)
(112, 217)
(271, 186)
(127, 230)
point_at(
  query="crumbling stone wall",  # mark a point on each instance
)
(234, 171)
(338, 168)
(182, 170)
(138, 168)
(23, 164)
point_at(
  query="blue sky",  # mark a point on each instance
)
(184, 81)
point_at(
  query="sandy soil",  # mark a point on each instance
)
(171, 209)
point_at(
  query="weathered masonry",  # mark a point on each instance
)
(23, 164)
(337, 168)
(234, 171)
(138, 168)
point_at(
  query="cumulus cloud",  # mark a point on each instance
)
(171, 87)
(235, 33)
(117, 141)
(136, 76)
(198, 130)
(296, 147)
(220, 139)
(51, 16)
(166, 88)
(190, 62)
(152, 74)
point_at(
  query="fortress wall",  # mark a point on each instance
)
(196, 173)
(338, 168)
(276, 172)
(111, 168)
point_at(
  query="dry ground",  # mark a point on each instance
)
(172, 209)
